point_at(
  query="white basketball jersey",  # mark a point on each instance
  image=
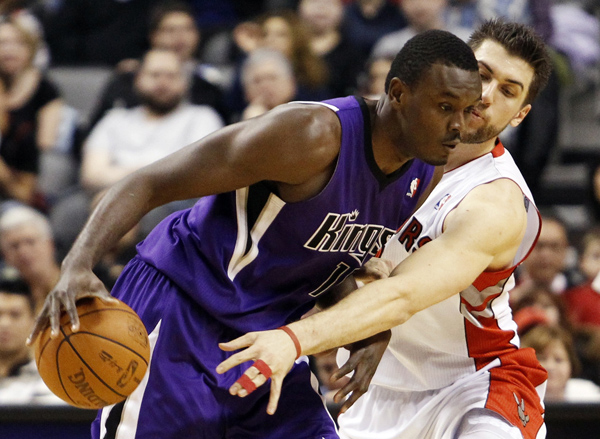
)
(470, 330)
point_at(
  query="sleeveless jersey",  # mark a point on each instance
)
(474, 330)
(255, 262)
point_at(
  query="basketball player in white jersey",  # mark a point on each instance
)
(453, 368)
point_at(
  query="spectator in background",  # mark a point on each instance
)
(546, 265)
(172, 27)
(27, 245)
(323, 19)
(555, 351)
(421, 16)
(35, 110)
(372, 81)
(127, 139)
(268, 81)
(366, 21)
(282, 31)
(583, 301)
(539, 305)
(20, 382)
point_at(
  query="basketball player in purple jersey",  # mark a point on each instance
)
(292, 203)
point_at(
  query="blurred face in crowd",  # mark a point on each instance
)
(321, 15)
(424, 15)
(268, 83)
(547, 259)
(505, 81)
(178, 32)
(16, 321)
(377, 74)
(590, 259)
(28, 249)
(161, 83)
(277, 35)
(15, 50)
(555, 359)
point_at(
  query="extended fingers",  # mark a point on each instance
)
(274, 397)
(238, 343)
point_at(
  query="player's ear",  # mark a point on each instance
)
(515, 121)
(396, 91)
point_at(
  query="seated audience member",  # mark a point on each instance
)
(545, 267)
(421, 16)
(34, 107)
(555, 351)
(27, 245)
(127, 139)
(372, 81)
(284, 32)
(20, 382)
(268, 81)
(583, 301)
(323, 19)
(172, 27)
(539, 305)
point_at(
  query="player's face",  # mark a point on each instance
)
(434, 113)
(16, 321)
(505, 83)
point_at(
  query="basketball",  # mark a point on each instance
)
(102, 363)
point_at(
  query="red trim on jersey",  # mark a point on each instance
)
(496, 152)
(513, 387)
(490, 278)
(489, 341)
(498, 149)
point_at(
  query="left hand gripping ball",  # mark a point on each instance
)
(102, 363)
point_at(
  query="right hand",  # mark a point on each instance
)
(74, 283)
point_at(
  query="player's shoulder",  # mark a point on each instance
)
(305, 123)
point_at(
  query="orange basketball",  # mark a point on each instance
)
(102, 363)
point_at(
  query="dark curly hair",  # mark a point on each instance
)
(428, 48)
(521, 41)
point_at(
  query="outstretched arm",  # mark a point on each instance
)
(482, 233)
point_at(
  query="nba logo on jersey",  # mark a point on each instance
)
(414, 185)
(441, 203)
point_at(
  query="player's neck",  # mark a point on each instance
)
(465, 152)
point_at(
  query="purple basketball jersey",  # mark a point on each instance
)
(255, 262)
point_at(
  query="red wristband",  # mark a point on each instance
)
(289, 332)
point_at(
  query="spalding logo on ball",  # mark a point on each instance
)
(102, 363)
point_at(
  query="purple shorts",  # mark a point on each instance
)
(182, 396)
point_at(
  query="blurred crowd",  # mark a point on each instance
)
(180, 70)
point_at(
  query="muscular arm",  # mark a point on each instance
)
(295, 146)
(478, 236)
